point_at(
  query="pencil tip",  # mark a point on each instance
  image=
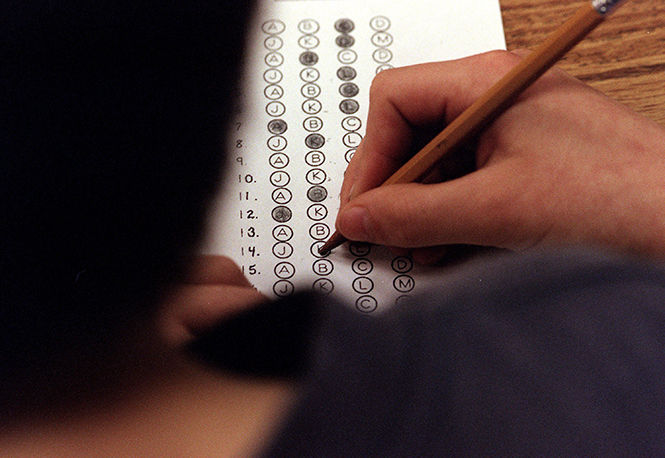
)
(333, 242)
(325, 248)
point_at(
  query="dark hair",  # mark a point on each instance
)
(112, 145)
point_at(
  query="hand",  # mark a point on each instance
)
(215, 287)
(563, 165)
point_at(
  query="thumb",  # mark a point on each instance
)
(482, 208)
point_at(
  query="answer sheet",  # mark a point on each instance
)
(302, 110)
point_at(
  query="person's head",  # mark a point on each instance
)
(113, 137)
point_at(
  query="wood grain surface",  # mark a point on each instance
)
(624, 57)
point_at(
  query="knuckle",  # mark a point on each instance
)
(499, 60)
(520, 52)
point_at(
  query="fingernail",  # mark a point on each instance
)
(354, 224)
(350, 194)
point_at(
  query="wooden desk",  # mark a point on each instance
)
(624, 57)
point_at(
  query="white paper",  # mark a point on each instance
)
(269, 216)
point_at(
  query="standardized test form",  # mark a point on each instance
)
(302, 106)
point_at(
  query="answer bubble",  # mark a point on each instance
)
(309, 75)
(404, 283)
(323, 286)
(317, 193)
(382, 39)
(311, 106)
(282, 250)
(273, 43)
(323, 267)
(379, 23)
(272, 76)
(315, 141)
(366, 304)
(316, 176)
(349, 90)
(274, 59)
(309, 58)
(315, 158)
(346, 73)
(277, 143)
(402, 264)
(273, 92)
(275, 109)
(279, 160)
(310, 90)
(279, 178)
(362, 285)
(273, 27)
(314, 249)
(282, 233)
(277, 126)
(344, 25)
(347, 56)
(382, 55)
(351, 123)
(362, 266)
(308, 26)
(283, 288)
(308, 41)
(345, 41)
(317, 212)
(281, 214)
(282, 196)
(285, 270)
(312, 124)
(319, 231)
(349, 106)
(352, 139)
